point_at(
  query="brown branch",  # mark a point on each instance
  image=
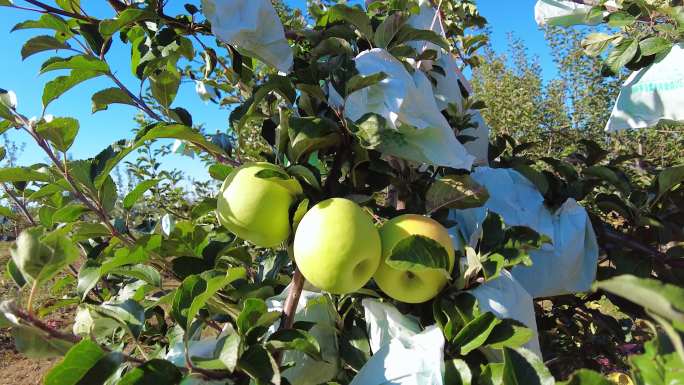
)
(290, 305)
(140, 103)
(625, 241)
(62, 12)
(20, 205)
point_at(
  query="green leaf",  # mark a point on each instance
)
(47, 21)
(69, 213)
(69, 5)
(620, 19)
(354, 347)
(492, 266)
(48, 190)
(663, 299)
(654, 45)
(22, 174)
(456, 192)
(114, 95)
(606, 174)
(293, 339)
(491, 374)
(153, 372)
(191, 287)
(310, 134)
(252, 310)
(143, 272)
(522, 367)
(220, 171)
(306, 175)
(595, 43)
(164, 84)
(279, 84)
(586, 377)
(133, 196)
(203, 207)
(130, 314)
(41, 258)
(258, 363)
(215, 281)
(15, 274)
(457, 372)
(196, 290)
(272, 174)
(622, 54)
(659, 364)
(417, 253)
(352, 15)
(61, 84)
(87, 230)
(332, 46)
(7, 212)
(91, 271)
(61, 132)
(408, 33)
(669, 178)
(358, 82)
(90, 33)
(109, 27)
(299, 213)
(534, 176)
(509, 333)
(34, 343)
(388, 29)
(77, 62)
(475, 333)
(230, 351)
(40, 44)
(84, 363)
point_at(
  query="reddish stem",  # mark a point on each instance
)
(290, 306)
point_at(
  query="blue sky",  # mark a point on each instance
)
(102, 128)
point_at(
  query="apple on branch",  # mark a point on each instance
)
(417, 258)
(337, 247)
(254, 203)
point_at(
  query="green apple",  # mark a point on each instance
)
(258, 209)
(337, 246)
(412, 286)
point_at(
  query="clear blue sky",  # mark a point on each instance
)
(102, 128)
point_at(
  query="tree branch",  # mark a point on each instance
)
(20, 205)
(59, 11)
(625, 241)
(290, 305)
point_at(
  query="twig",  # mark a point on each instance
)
(141, 103)
(62, 12)
(20, 205)
(290, 306)
(626, 241)
(32, 294)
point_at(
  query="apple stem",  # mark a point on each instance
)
(290, 307)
